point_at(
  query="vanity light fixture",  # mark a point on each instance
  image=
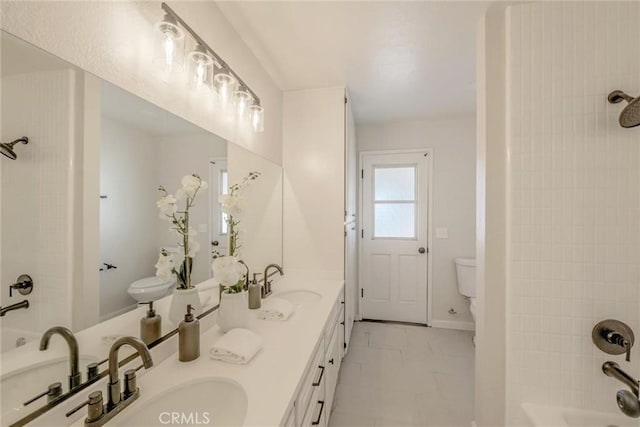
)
(169, 44)
(256, 117)
(200, 68)
(224, 85)
(206, 69)
(241, 101)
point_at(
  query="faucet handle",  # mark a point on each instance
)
(24, 285)
(627, 346)
(95, 408)
(613, 337)
(130, 382)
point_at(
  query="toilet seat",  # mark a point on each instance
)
(150, 289)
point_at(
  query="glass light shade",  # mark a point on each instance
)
(168, 45)
(224, 84)
(200, 68)
(256, 117)
(241, 101)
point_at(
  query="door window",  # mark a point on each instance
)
(395, 202)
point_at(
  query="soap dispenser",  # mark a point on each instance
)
(254, 293)
(150, 325)
(189, 337)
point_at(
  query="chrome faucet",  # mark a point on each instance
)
(16, 306)
(75, 377)
(114, 382)
(628, 403)
(99, 414)
(266, 287)
(612, 369)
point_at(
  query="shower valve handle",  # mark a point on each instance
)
(618, 339)
(24, 285)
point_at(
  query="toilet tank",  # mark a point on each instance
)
(466, 272)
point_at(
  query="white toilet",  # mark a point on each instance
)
(152, 288)
(466, 272)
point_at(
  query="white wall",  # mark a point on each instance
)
(180, 155)
(313, 161)
(37, 216)
(453, 144)
(114, 40)
(491, 218)
(261, 220)
(128, 238)
(574, 189)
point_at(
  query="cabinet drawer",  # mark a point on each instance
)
(333, 368)
(313, 380)
(316, 414)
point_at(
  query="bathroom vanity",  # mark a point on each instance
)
(290, 381)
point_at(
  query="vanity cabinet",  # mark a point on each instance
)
(314, 400)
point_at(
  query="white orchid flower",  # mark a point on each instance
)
(164, 266)
(167, 206)
(231, 205)
(193, 183)
(227, 270)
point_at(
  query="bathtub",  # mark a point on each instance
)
(12, 338)
(557, 416)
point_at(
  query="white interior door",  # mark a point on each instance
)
(218, 185)
(394, 236)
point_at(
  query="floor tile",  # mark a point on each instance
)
(339, 419)
(404, 375)
(350, 373)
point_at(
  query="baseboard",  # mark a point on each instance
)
(453, 324)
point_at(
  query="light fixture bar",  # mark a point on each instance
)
(217, 57)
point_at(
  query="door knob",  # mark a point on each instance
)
(422, 250)
(215, 243)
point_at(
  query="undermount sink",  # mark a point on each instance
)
(209, 401)
(300, 297)
(23, 384)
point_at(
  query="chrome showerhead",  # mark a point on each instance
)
(630, 115)
(7, 147)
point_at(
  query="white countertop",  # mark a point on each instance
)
(270, 379)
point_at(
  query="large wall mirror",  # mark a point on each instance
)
(80, 231)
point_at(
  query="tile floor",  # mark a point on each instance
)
(401, 375)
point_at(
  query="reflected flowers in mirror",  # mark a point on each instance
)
(179, 265)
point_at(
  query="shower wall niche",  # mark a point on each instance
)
(36, 196)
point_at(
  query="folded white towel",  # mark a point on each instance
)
(275, 309)
(236, 346)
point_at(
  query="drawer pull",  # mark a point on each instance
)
(317, 421)
(331, 361)
(317, 383)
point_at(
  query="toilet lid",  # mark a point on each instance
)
(150, 282)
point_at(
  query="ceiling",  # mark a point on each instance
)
(400, 60)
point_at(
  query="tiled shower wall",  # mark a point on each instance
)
(574, 208)
(36, 195)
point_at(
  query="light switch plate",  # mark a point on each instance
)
(442, 233)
